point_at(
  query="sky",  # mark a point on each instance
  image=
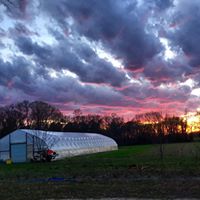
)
(101, 56)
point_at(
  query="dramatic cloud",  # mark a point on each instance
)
(187, 35)
(82, 61)
(124, 56)
(115, 24)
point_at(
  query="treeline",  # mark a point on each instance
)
(145, 128)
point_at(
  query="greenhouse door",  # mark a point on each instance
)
(18, 152)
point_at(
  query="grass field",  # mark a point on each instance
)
(134, 171)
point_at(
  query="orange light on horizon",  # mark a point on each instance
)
(193, 122)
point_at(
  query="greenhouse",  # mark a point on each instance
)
(23, 144)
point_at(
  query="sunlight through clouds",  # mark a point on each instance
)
(129, 53)
(168, 53)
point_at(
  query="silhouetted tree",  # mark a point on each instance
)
(154, 122)
(10, 118)
(143, 129)
(42, 114)
(24, 109)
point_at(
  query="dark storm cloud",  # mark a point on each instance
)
(16, 79)
(73, 30)
(12, 95)
(28, 47)
(67, 89)
(9, 70)
(15, 8)
(69, 56)
(119, 28)
(21, 30)
(163, 4)
(17, 83)
(16, 74)
(159, 71)
(56, 34)
(2, 46)
(162, 95)
(112, 22)
(188, 37)
(98, 70)
(187, 33)
(2, 33)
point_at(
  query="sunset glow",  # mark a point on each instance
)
(103, 57)
(193, 122)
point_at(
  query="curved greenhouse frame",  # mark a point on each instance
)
(21, 144)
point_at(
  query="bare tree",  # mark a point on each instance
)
(155, 121)
(42, 114)
(10, 118)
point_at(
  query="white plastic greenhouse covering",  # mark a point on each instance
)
(66, 144)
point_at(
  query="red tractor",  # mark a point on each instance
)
(45, 155)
